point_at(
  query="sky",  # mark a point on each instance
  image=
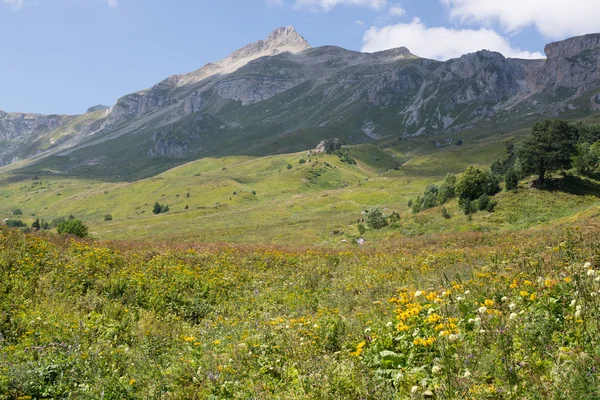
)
(63, 56)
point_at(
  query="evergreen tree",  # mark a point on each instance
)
(550, 149)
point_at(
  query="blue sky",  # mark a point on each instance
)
(62, 56)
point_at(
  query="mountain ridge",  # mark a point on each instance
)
(323, 91)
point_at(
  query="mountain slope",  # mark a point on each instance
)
(280, 95)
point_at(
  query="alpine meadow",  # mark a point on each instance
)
(298, 222)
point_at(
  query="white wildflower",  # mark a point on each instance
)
(418, 293)
(436, 369)
(512, 316)
(467, 374)
(504, 299)
(414, 389)
(512, 306)
(573, 302)
(482, 310)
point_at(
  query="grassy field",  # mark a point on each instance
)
(473, 315)
(247, 199)
(253, 285)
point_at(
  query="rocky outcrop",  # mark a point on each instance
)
(573, 63)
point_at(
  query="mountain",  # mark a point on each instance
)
(280, 95)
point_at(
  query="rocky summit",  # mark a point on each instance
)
(280, 94)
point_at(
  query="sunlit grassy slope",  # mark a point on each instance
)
(258, 199)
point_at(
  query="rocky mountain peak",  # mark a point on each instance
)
(287, 37)
(573, 46)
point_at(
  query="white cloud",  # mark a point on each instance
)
(438, 42)
(15, 4)
(326, 5)
(397, 11)
(113, 3)
(359, 22)
(552, 18)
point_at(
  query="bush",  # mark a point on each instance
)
(36, 224)
(361, 229)
(74, 227)
(302, 161)
(289, 166)
(159, 208)
(511, 179)
(445, 213)
(474, 183)
(394, 217)
(588, 158)
(15, 223)
(468, 206)
(17, 211)
(459, 142)
(447, 189)
(108, 217)
(376, 219)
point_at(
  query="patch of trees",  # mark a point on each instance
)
(474, 189)
(159, 208)
(40, 225)
(335, 147)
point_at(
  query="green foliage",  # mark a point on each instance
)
(468, 206)
(474, 183)
(511, 179)
(159, 208)
(550, 149)
(587, 160)
(459, 142)
(394, 217)
(344, 156)
(302, 161)
(15, 223)
(501, 166)
(447, 189)
(361, 229)
(17, 211)
(108, 217)
(74, 227)
(427, 201)
(376, 219)
(289, 166)
(36, 224)
(445, 213)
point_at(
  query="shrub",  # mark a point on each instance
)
(459, 142)
(394, 217)
(302, 161)
(159, 208)
(15, 223)
(289, 166)
(362, 229)
(511, 179)
(36, 224)
(588, 158)
(17, 211)
(74, 227)
(474, 183)
(445, 213)
(376, 219)
(447, 190)
(108, 217)
(468, 206)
